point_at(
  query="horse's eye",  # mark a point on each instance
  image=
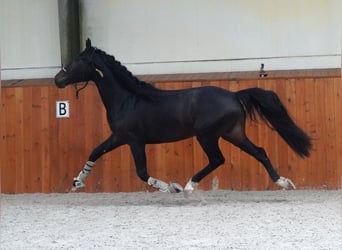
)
(64, 69)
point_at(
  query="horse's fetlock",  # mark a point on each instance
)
(143, 175)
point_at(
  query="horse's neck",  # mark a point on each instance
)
(112, 94)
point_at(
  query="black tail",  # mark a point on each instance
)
(272, 111)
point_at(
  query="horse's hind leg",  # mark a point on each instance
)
(241, 141)
(209, 143)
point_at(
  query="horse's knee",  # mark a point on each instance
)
(217, 161)
(221, 160)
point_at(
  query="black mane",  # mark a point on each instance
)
(126, 79)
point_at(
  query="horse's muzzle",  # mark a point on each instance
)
(61, 79)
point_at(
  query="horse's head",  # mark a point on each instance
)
(81, 69)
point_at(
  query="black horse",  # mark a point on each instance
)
(140, 114)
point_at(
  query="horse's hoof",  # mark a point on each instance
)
(189, 188)
(285, 183)
(77, 184)
(175, 187)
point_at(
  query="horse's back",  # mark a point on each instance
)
(183, 113)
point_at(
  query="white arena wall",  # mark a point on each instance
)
(29, 39)
(174, 36)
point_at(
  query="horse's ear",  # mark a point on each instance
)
(88, 43)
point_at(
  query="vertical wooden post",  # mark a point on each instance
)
(69, 29)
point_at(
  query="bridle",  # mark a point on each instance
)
(77, 90)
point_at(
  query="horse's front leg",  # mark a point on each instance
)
(139, 155)
(107, 146)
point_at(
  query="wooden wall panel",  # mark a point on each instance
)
(40, 153)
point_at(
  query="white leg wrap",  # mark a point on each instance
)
(172, 187)
(85, 171)
(158, 184)
(285, 183)
(190, 187)
(80, 179)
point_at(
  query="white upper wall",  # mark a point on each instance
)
(177, 36)
(29, 39)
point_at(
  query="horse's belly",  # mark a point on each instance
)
(168, 134)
